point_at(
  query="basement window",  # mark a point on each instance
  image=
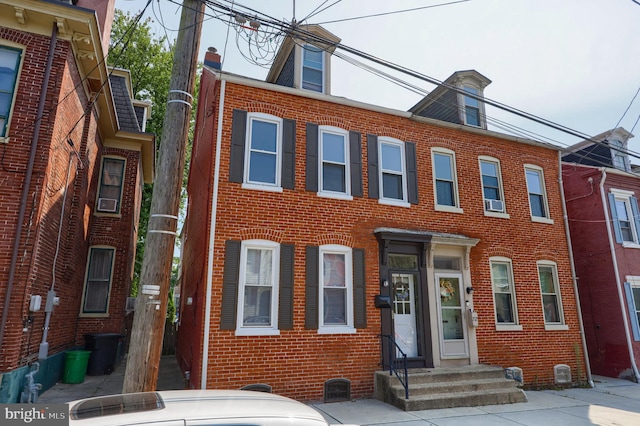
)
(257, 387)
(337, 390)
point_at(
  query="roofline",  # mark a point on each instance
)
(598, 138)
(609, 170)
(250, 82)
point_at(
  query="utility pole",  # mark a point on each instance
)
(151, 305)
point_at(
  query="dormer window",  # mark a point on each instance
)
(620, 160)
(312, 68)
(471, 107)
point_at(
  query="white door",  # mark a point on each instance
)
(451, 315)
(404, 314)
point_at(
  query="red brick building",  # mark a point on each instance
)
(601, 189)
(317, 223)
(72, 184)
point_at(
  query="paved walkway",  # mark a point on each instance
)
(611, 402)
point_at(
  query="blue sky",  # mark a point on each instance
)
(574, 62)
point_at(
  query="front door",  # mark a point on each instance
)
(404, 314)
(451, 313)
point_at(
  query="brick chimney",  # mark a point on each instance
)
(212, 58)
(105, 9)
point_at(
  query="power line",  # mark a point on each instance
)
(322, 10)
(390, 13)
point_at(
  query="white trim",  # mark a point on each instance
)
(621, 193)
(396, 203)
(556, 287)
(508, 327)
(271, 329)
(264, 187)
(204, 367)
(386, 140)
(23, 50)
(514, 301)
(348, 327)
(496, 163)
(556, 327)
(264, 118)
(86, 279)
(454, 176)
(347, 163)
(543, 187)
(498, 215)
(323, 69)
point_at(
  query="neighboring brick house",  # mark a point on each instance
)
(306, 211)
(601, 189)
(72, 184)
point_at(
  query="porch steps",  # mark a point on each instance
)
(432, 388)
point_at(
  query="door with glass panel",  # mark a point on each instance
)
(451, 315)
(404, 314)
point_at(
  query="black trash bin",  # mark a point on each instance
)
(104, 348)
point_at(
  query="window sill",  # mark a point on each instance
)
(541, 220)
(336, 330)
(4, 139)
(496, 214)
(258, 187)
(96, 315)
(397, 203)
(105, 214)
(508, 327)
(556, 327)
(246, 331)
(448, 209)
(335, 195)
(628, 244)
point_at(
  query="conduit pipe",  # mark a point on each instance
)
(27, 182)
(574, 277)
(617, 273)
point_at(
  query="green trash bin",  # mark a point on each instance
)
(75, 366)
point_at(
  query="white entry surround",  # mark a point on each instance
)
(452, 344)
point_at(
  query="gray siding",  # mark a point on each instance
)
(286, 75)
(444, 108)
(594, 155)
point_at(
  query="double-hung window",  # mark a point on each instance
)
(336, 290)
(111, 183)
(334, 154)
(632, 293)
(504, 293)
(537, 194)
(550, 291)
(393, 176)
(263, 153)
(95, 300)
(491, 185)
(619, 157)
(471, 107)
(9, 67)
(625, 217)
(258, 288)
(312, 68)
(445, 180)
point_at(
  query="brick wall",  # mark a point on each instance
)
(299, 361)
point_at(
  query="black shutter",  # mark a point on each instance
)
(359, 290)
(372, 160)
(312, 157)
(238, 139)
(355, 157)
(230, 285)
(289, 154)
(285, 308)
(311, 291)
(412, 173)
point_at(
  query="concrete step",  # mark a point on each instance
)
(453, 386)
(466, 386)
(461, 399)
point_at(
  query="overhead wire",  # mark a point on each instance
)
(322, 10)
(304, 35)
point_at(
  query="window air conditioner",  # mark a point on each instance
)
(107, 205)
(494, 205)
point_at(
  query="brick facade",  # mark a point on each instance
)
(299, 361)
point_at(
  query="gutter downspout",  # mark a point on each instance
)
(573, 275)
(617, 272)
(27, 182)
(212, 235)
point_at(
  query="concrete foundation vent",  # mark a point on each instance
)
(562, 374)
(514, 373)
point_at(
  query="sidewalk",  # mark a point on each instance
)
(611, 402)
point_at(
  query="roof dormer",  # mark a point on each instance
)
(608, 149)
(304, 62)
(458, 100)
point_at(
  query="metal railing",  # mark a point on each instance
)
(394, 361)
